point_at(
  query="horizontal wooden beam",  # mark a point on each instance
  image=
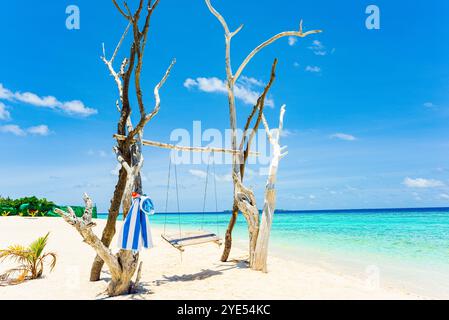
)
(181, 148)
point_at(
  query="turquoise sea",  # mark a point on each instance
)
(408, 247)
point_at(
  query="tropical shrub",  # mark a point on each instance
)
(25, 206)
(31, 261)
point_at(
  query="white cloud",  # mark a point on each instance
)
(444, 196)
(41, 130)
(292, 41)
(422, 183)
(5, 94)
(252, 81)
(14, 129)
(198, 173)
(74, 107)
(190, 83)
(429, 105)
(244, 90)
(313, 69)
(317, 44)
(35, 100)
(343, 136)
(220, 178)
(312, 197)
(206, 84)
(318, 48)
(249, 96)
(4, 114)
(296, 64)
(77, 107)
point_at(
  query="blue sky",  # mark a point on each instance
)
(367, 110)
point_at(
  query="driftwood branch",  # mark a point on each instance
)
(260, 257)
(122, 265)
(145, 118)
(299, 34)
(229, 35)
(259, 106)
(85, 230)
(128, 17)
(157, 97)
(150, 143)
(109, 64)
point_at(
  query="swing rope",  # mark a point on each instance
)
(171, 163)
(205, 192)
(177, 200)
(168, 191)
(216, 198)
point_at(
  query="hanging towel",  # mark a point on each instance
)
(136, 233)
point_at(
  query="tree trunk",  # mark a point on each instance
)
(110, 229)
(122, 283)
(259, 262)
(122, 194)
(228, 238)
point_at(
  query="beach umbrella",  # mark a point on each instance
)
(136, 234)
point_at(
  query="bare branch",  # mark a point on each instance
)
(147, 118)
(121, 11)
(85, 230)
(219, 17)
(259, 106)
(233, 34)
(181, 148)
(156, 92)
(117, 48)
(281, 121)
(87, 216)
(299, 34)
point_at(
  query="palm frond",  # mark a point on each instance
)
(38, 246)
(53, 256)
(16, 253)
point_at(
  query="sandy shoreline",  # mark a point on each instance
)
(198, 275)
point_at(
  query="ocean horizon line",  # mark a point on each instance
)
(302, 211)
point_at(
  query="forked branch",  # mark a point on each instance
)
(229, 35)
(85, 230)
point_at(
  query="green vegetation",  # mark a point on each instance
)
(29, 206)
(30, 259)
(34, 207)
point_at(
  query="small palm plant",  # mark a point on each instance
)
(6, 214)
(31, 260)
(33, 213)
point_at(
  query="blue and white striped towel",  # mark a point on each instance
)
(136, 233)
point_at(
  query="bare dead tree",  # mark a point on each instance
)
(128, 150)
(244, 199)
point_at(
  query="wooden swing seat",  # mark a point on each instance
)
(191, 238)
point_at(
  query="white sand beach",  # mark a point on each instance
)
(199, 275)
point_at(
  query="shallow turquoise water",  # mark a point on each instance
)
(411, 244)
